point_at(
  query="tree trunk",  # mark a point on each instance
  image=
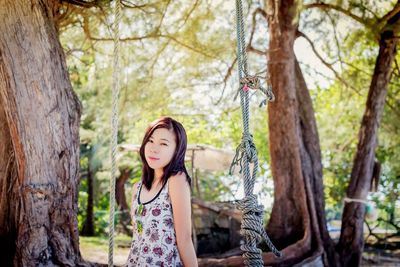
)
(285, 227)
(351, 241)
(120, 189)
(297, 221)
(38, 217)
(290, 221)
(7, 179)
(88, 226)
(312, 171)
(125, 218)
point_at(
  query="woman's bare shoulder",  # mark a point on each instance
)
(178, 179)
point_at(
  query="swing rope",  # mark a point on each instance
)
(252, 223)
(114, 126)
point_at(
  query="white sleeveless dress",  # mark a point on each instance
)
(154, 238)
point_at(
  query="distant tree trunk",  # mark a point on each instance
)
(351, 243)
(312, 171)
(290, 221)
(120, 189)
(285, 227)
(41, 146)
(88, 226)
(123, 207)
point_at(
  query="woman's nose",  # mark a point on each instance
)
(154, 148)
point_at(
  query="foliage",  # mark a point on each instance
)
(177, 64)
(353, 49)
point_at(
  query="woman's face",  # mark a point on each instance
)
(160, 148)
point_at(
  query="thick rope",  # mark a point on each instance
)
(114, 126)
(252, 223)
(253, 82)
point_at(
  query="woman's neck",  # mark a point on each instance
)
(157, 176)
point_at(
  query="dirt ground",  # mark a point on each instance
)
(99, 254)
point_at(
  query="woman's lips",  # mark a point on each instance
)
(153, 158)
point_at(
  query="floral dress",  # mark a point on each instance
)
(154, 239)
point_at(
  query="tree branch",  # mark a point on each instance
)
(226, 77)
(128, 4)
(163, 14)
(185, 45)
(339, 54)
(152, 35)
(340, 9)
(253, 28)
(65, 18)
(390, 14)
(328, 65)
(250, 48)
(82, 3)
(190, 13)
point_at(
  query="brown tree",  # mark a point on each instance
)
(297, 218)
(88, 225)
(299, 136)
(123, 207)
(39, 159)
(351, 241)
(297, 223)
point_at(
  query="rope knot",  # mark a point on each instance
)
(250, 147)
(253, 82)
(245, 148)
(252, 225)
(251, 229)
(252, 216)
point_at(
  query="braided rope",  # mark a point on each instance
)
(114, 126)
(252, 223)
(253, 82)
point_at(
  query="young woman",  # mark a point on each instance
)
(161, 208)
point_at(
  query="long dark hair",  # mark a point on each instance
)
(177, 163)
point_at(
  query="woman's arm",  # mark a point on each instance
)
(179, 192)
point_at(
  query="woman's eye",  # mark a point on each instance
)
(164, 144)
(150, 141)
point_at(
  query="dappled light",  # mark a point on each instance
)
(290, 112)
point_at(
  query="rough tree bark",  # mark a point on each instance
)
(291, 219)
(7, 178)
(39, 162)
(312, 172)
(351, 242)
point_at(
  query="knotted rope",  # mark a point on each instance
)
(252, 223)
(253, 82)
(114, 126)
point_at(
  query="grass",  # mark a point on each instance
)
(95, 249)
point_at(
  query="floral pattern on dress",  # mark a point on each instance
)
(156, 244)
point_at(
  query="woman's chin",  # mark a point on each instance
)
(154, 166)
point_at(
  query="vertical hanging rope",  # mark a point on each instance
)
(252, 223)
(114, 126)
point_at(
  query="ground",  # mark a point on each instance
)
(95, 249)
